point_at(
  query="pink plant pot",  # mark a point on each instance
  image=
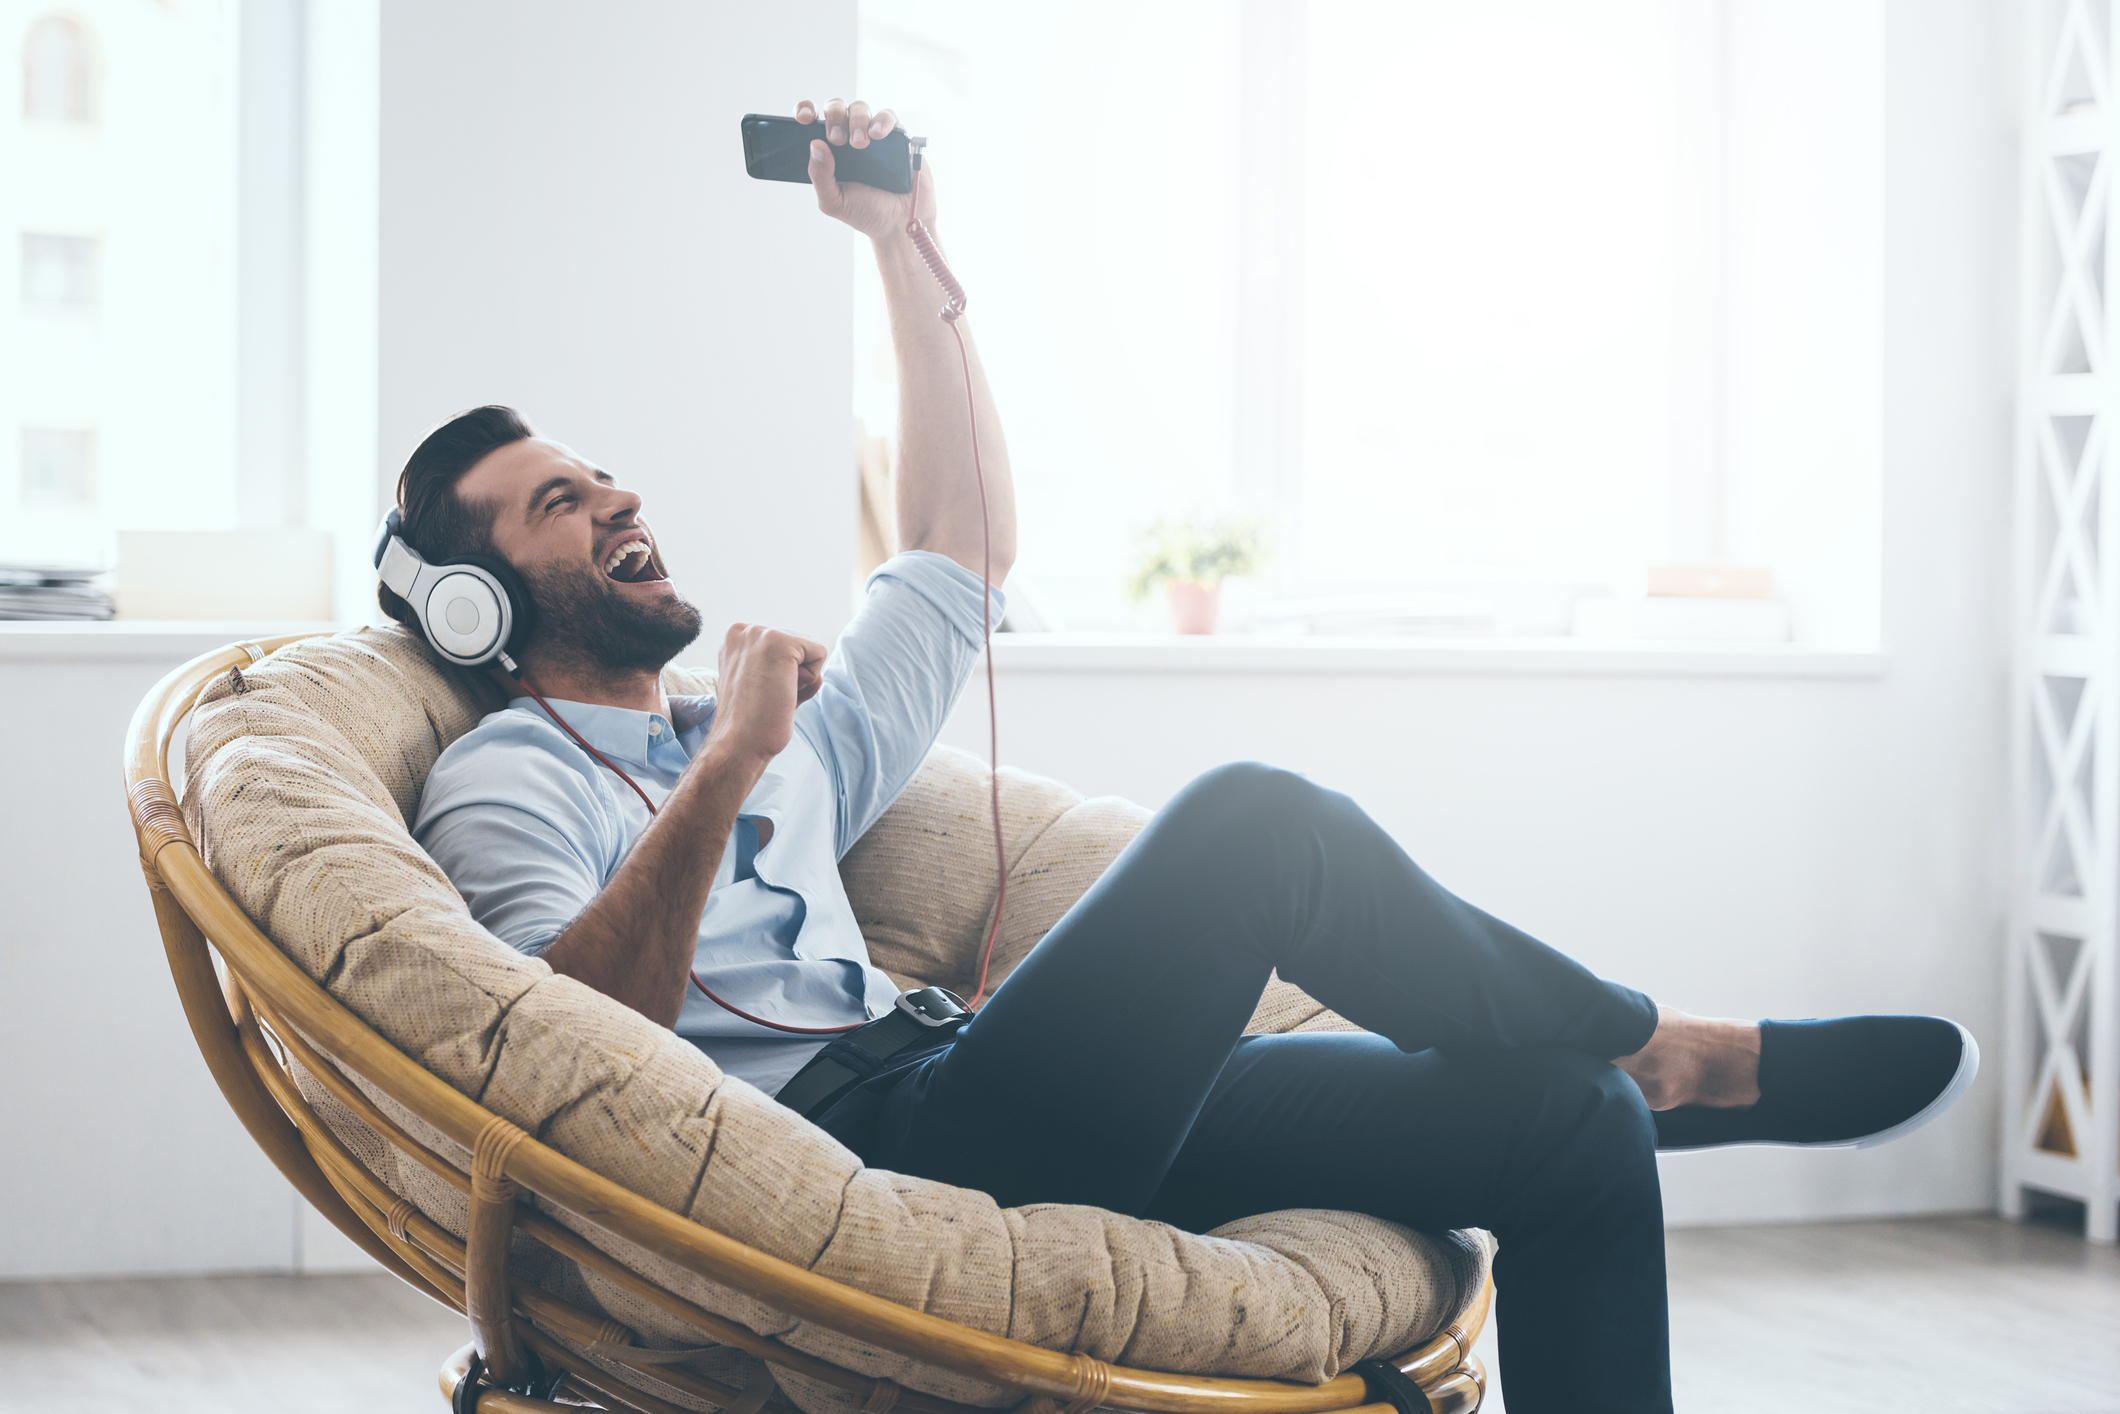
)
(1192, 606)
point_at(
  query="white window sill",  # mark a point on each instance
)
(131, 640)
(1567, 657)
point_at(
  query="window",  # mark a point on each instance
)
(117, 362)
(58, 468)
(58, 272)
(189, 342)
(58, 72)
(1481, 309)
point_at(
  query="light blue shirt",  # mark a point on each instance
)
(530, 828)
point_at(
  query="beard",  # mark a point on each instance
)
(584, 621)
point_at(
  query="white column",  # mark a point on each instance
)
(2061, 1130)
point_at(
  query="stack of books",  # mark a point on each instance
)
(31, 591)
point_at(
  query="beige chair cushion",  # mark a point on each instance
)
(302, 772)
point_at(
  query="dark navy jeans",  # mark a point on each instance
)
(1111, 1070)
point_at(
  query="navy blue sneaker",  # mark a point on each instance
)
(1849, 1082)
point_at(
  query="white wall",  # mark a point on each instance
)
(1736, 846)
(568, 228)
(121, 1156)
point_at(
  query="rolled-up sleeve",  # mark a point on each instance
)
(891, 681)
(521, 836)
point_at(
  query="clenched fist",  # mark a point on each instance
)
(765, 675)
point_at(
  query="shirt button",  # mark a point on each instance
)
(655, 729)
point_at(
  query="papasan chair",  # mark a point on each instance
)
(624, 1227)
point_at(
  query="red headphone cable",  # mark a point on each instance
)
(952, 310)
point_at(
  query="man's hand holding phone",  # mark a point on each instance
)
(764, 676)
(879, 215)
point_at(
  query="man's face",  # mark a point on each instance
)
(592, 564)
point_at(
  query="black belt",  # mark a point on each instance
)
(925, 1018)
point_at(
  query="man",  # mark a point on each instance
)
(1110, 1068)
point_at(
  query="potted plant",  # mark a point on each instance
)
(1190, 557)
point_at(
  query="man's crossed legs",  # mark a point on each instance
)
(1111, 1070)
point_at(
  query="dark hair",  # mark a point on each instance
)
(437, 523)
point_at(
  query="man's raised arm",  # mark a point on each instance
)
(938, 496)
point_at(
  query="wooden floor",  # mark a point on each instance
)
(1936, 1315)
(1942, 1315)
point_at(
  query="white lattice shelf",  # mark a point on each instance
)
(2061, 1129)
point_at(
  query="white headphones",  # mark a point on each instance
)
(472, 609)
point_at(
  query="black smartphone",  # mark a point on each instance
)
(778, 150)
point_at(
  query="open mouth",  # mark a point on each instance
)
(633, 561)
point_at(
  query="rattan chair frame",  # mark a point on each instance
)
(257, 1017)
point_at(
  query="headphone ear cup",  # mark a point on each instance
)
(522, 608)
(465, 614)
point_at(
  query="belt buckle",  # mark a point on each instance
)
(933, 1007)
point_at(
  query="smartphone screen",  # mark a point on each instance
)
(778, 150)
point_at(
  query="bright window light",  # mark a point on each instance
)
(1483, 310)
(1487, 290)
(1479, 370)
(117, 347)
(1085, 203)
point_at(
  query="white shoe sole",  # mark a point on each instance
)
(1962, 1081)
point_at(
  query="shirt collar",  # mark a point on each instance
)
(618, 732)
